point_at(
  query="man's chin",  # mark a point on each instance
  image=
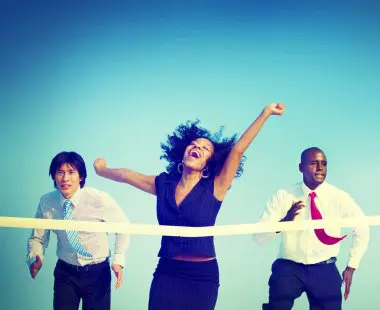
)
(65, 193)
(319, 181)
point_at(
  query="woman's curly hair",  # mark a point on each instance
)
(184, 134)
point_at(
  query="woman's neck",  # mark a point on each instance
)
(190, 178)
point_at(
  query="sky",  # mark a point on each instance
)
(113, 79)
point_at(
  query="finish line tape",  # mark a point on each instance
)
(181, 231)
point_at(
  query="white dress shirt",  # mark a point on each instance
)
(88, 204)
(303, 246)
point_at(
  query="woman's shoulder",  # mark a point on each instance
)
(165, 179)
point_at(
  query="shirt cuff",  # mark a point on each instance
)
(119, 259)
(262, 238)
(31, 259)
(353, 262)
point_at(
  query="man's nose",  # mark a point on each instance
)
(320, 166)
(65, 176)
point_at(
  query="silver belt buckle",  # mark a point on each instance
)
(331, 260)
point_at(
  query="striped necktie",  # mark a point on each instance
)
(320, 233)
(72, 235)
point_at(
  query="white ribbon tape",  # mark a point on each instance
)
(161, 230)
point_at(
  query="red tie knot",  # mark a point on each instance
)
(312, 195)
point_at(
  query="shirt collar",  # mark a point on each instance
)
(74, 199)
(320, 190)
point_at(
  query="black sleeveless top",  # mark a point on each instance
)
(199, 208)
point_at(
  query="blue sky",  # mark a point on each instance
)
(113, 79)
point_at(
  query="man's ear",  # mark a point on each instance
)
(300, 167)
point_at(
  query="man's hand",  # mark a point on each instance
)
(118, 270)
(347, 280)
(35, 267)
(293, 211)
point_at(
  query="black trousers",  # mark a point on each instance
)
(321, 282)
(180, 285)
(90, 283)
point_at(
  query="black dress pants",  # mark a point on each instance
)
(321, 282)
(91, 283)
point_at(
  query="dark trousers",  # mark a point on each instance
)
(321, 283)
(179, 285)
(90, 283)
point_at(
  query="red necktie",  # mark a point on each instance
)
(320, 233)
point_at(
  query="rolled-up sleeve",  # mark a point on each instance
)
(38, 241)
(113, 213)
(360, 233)
(272, 213)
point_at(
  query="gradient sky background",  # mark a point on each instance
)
(113, 79)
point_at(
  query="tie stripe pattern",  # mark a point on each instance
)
(72, 235)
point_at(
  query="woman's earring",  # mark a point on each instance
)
(180, 167)
(205, 173)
